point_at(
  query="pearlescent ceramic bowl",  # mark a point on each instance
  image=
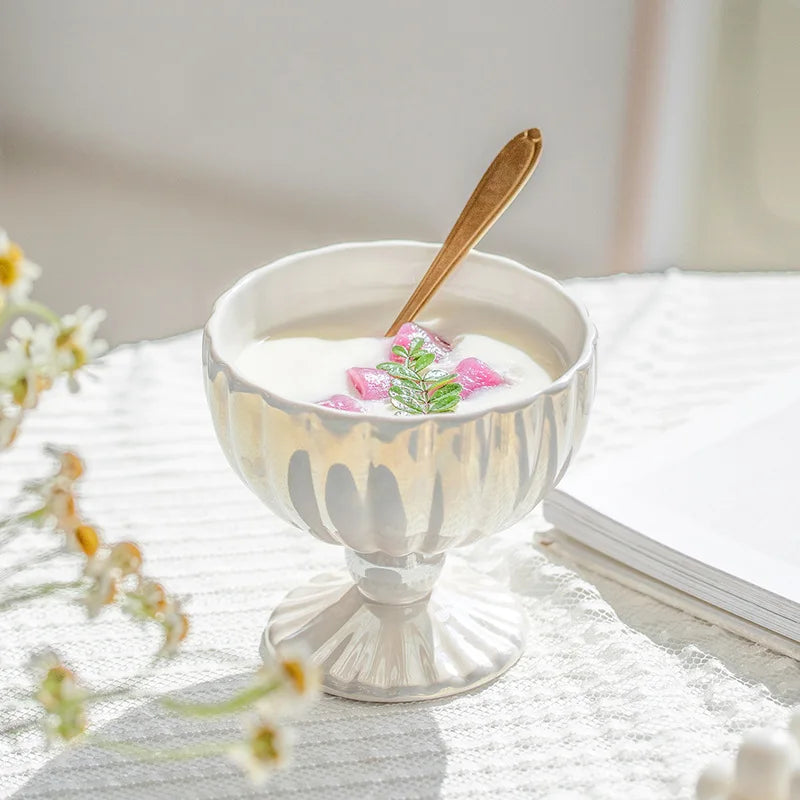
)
(397, 492)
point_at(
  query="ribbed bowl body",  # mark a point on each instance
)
(396, 485)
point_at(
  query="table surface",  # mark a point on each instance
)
(617, 695)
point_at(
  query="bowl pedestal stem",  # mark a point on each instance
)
(401, 628)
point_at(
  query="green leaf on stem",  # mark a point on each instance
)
(418, 387)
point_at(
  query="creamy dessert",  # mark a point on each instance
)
(415, 372)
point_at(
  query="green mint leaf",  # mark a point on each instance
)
(407, 406)
(404, 392)
(399, 371)
(446, 390)
(423, 360)
(399, 350)
(408, 374)
(442, 405)
(434, 382)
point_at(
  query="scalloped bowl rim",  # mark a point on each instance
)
(559, 384)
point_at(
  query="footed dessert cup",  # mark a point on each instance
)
(400, 622)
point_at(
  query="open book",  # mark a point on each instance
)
(705, 517)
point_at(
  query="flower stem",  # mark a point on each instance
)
(111, 694)
(231, 705)
(39, 558)
(160, 754)
(37, 592)
(31, 307)
(9, 525)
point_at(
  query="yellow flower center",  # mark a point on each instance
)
(19, 391)
(87, 539)
(64, 341)
(294, 671)
(10, 266)
(264, 744)
(81, 357)
(26, 394)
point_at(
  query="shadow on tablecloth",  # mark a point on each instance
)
(339, 754)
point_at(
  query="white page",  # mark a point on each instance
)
(723, 489)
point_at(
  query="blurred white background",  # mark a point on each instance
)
(154, 151)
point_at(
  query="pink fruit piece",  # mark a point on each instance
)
(343, 402)
(430, 341)
(370, 383)
(474, 374)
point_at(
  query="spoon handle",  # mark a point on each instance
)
(500, 184)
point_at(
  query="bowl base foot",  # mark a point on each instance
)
(468, 631)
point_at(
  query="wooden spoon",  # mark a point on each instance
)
(500, 184)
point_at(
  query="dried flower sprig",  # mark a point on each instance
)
(34, 357)
(112, 573)
(280, 688)
(287, 683)
(266, 741)
(416, 387)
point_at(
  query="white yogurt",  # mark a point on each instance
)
(310, 370)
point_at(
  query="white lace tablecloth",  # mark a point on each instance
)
(617, 695)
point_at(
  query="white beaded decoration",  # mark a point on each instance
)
(766, 767)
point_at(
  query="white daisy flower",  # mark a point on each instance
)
(70, 466)
(17, 274)
(265, 750)
(19, 377)
(55, 495)
(60, 695)
(102, 592)
(40, 342)
(298, 680)
(106, 571)
(75, 342)
(27, 365)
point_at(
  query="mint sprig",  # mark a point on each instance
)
(416, 388)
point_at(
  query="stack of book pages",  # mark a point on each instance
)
(705, 517)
